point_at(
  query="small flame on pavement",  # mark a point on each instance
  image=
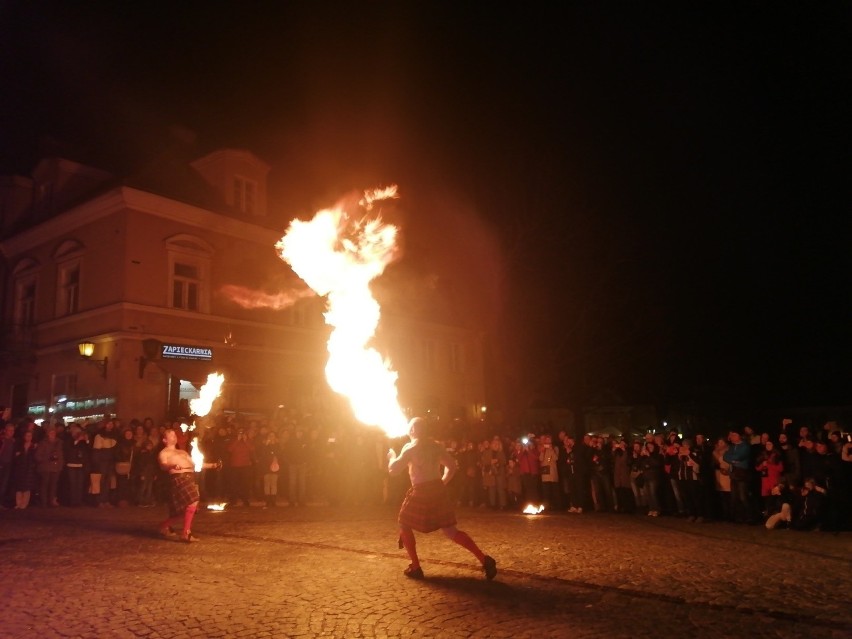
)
(216, 507)
(533, 510)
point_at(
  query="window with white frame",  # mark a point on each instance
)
(189, 268)
(245, 195)
(186, 283)
(68, 288)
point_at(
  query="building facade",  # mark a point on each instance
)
(142, 273)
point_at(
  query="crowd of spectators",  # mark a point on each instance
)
(793, 478)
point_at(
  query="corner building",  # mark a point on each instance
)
(141, 273)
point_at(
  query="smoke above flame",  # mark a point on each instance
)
(248, 298)
(338, 255)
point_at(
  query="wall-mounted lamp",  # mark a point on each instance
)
(86, 349)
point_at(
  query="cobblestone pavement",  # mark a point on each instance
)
(322, 572)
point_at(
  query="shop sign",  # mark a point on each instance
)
(180, 351)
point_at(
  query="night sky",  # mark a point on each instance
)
(639, 201)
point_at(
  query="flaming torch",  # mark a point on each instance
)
(200, 406)
(338, 256)
(207, 394)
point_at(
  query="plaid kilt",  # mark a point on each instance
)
(184, 491)
(426, 507)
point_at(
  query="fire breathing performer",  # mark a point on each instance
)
(427, 506)
(184, 493)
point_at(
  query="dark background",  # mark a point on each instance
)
(640, 202)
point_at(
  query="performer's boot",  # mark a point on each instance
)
(406, 538)
(488, 563)
(166, 529)
(189, 513)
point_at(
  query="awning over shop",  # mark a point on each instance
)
(196, 372)
(191, 371)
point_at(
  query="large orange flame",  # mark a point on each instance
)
(197, 456)
(200, 406)
(338, 257)
(207, 394)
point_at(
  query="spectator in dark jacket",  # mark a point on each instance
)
(143, 471)
(77, 465)
(103, 462)
(24, 470)
(124, 453)
(296, 453)
(51, 459)
(651, 465)
(807, 506)
(7, 458)
(790, 460)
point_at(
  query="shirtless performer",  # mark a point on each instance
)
(183, 490)
(426, 506)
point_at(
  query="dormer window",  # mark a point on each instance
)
(239, 178)
(245, 195)
(43, 196)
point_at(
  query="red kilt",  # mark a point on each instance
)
(184, 491)
(426, 507)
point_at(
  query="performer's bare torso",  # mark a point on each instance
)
(425, 459)
(176, 461)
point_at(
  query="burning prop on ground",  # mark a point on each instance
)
(532, 509)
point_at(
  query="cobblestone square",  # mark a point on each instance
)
(322, 572)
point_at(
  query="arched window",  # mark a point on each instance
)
(68, 256)
(25, 275)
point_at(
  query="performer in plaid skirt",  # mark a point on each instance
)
(426, 506)
(183, 489)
